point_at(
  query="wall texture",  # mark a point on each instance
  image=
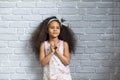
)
(96, 24)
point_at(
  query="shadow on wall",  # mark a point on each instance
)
(32, 65)
(115, 60)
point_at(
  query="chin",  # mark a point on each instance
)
(54, 36)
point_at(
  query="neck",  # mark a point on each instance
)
(54, 39)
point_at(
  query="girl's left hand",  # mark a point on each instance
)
(57, 48)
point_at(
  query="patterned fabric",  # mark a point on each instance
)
(55, 70)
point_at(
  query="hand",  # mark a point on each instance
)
(57, 48)
(52, 46)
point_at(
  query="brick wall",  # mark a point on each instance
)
(96, 24)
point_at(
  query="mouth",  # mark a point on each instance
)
(55, 33)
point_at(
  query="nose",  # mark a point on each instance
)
(55, 29)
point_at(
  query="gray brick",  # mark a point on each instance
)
(4, 24)
(31, 17)
(20, 30)
(89, 50)
(11, 17)
(86, 4)
(6, 50)
(4, 76)
(116, 17)
(3, 44)
(108, 43)
(100, 76)
(90, 63)
(81, 56)
(68, 11)
(0, 18)
(22, 51)
(44, 11)
(72, 18)
(2, 56)
(22, 11)
(7, 4)
(98, 30)
(98, 11)
(105, 4)
(116, 43)
(118, 4)
(21, 58)
(117, 37)
(29, 71)
(28, 64)
(6, 70)
(104, 70)
(85, 69)
(72, 69)
(116, 49)
(33, 24)
(110, 1)
(90, 37)
(113, 11)
(10, 64)
(107, 37)
(20, 76)
(71, 4)
(76, 30)
(10, 0)
(80, 24)
(95, 44)
(31, 0)
(74, 62)
(46, 4)
(100, 17)
(19, 24)
(79, 50)
(104, 50)
(81, 11)
(9, 37)
(16, 44)
(101, 24)
(8, 30)
(26, 4)
(5, 11)
(91, 0)
(50, 0)
(100, 56)
(81, 43)
(69, 0)
(83, 76)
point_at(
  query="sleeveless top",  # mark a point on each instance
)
(55, 69)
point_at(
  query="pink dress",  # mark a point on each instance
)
(55, 69)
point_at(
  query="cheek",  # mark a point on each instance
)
(59, 31)
(48, 31)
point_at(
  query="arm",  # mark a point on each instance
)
(44, 59)
(65, 58)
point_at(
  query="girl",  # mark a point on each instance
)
(54, 42)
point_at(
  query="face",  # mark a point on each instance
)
(54, 29)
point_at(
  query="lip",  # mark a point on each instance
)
(55, 33)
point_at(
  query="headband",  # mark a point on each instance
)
(61, 21)
(52, 20)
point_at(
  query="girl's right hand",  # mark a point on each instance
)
(52, 46)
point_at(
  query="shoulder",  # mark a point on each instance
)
(65, 43)
(42, 44)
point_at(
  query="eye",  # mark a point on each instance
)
(52, 27)
(58, 27)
